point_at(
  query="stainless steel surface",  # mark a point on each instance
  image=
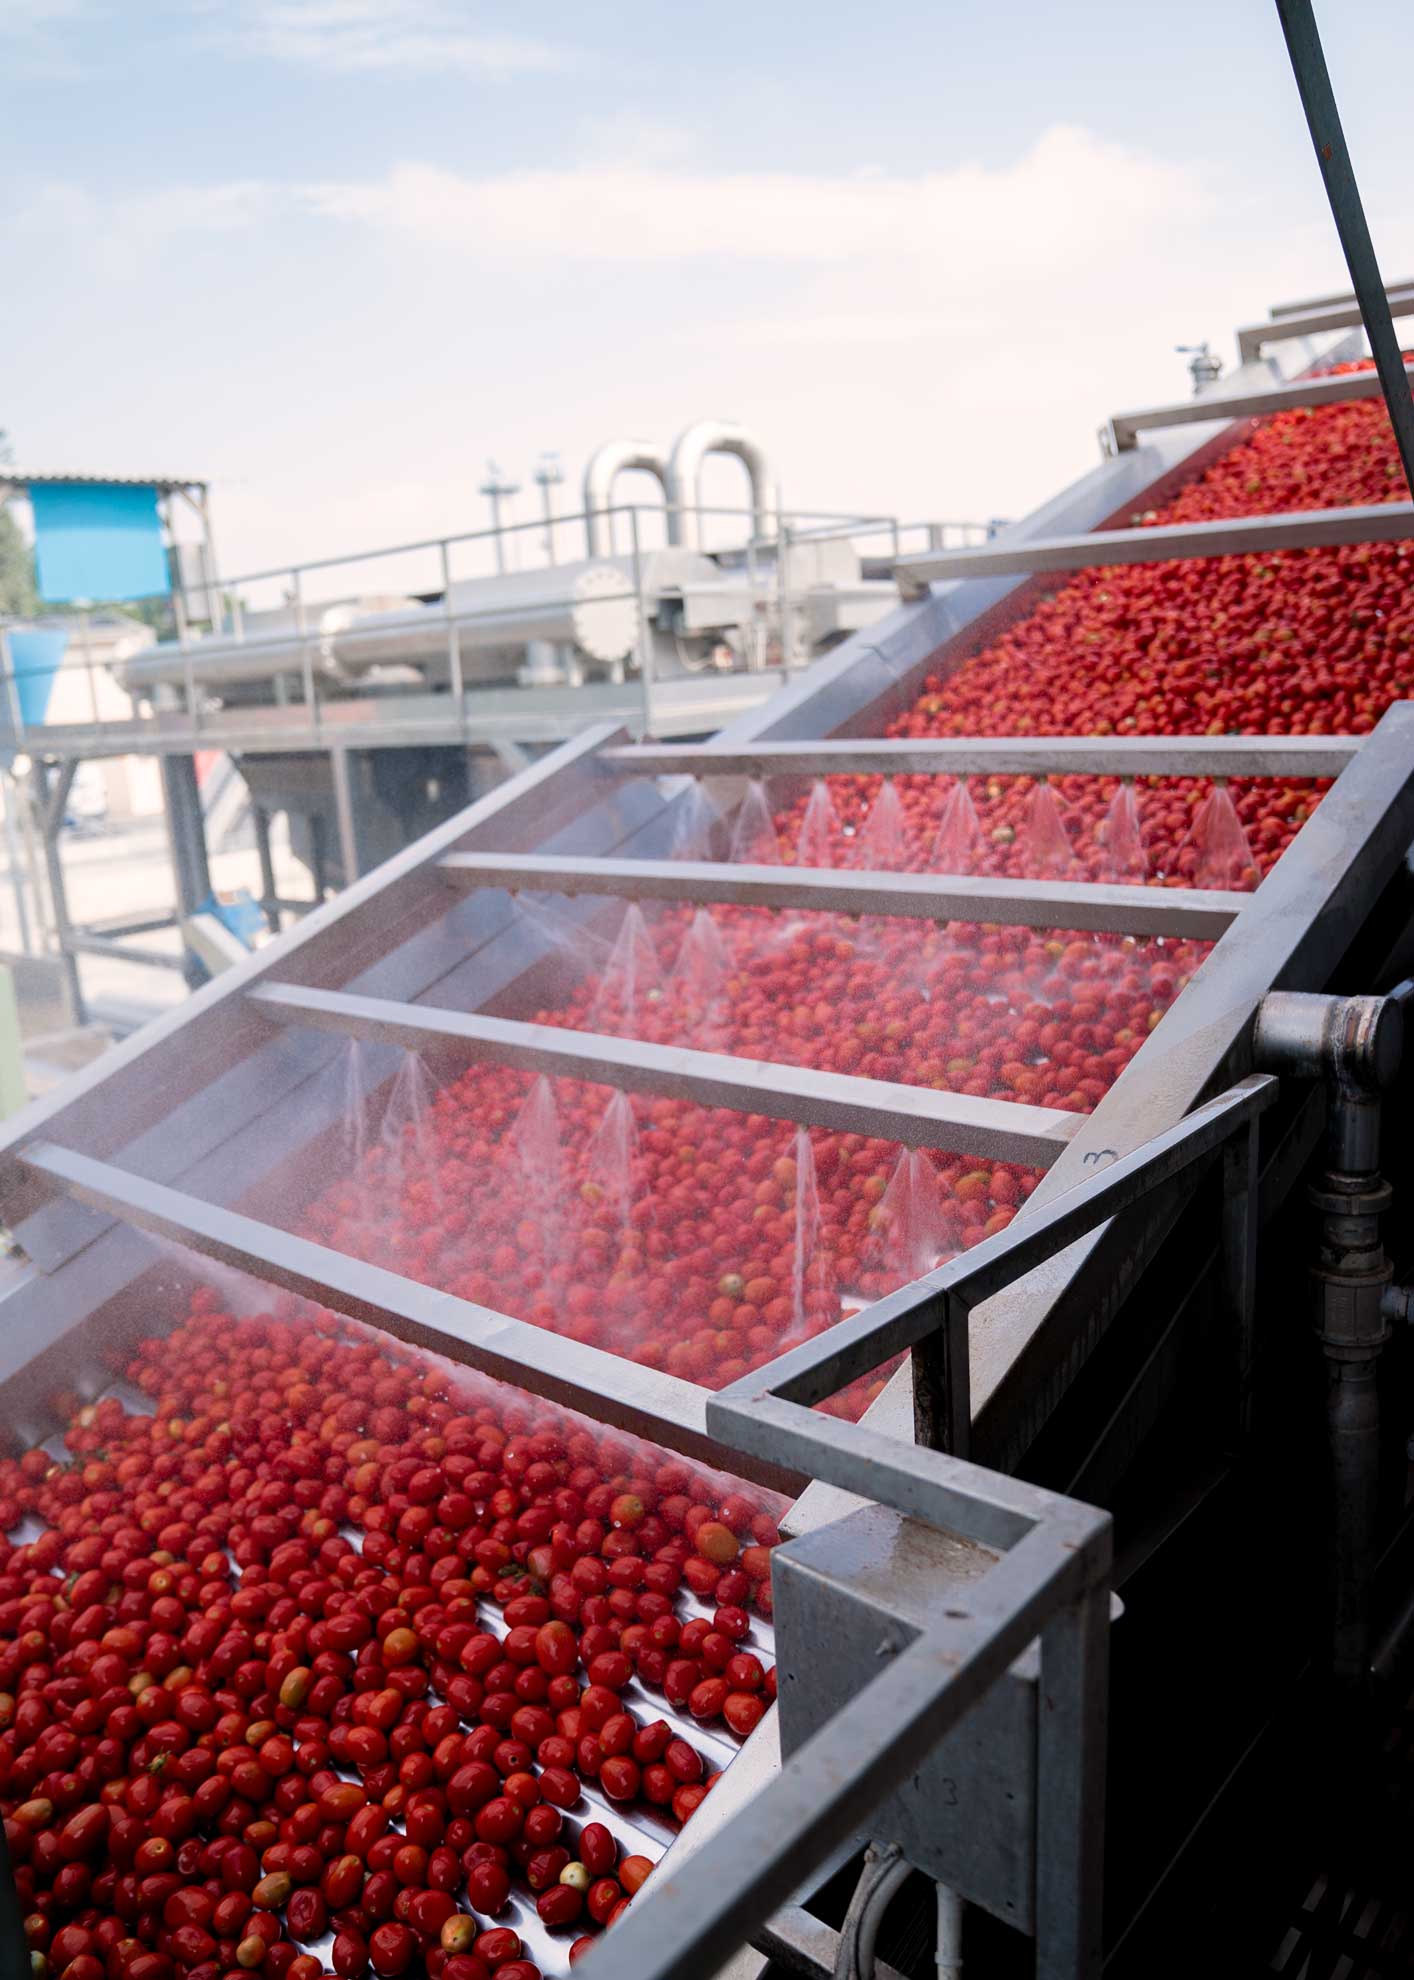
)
(644, 1401)
(601, 471)
(695, 1912)
(967, 1812)
(1330, 302)
(1330, 391)
(485, 715)
(1313, 83)
(931, 897)
(691, 448)
(1301, 529)
(1254, 338)
(976, 756)
(1005, 1130)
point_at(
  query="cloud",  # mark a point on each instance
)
(880, 327)
(409, 37)
(32, 42)
(118, 238)
(1070, 197)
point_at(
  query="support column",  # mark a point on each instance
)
(269, 893)
(186, 835)
(341, 772)
(52, 787)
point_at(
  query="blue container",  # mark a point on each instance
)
(36, 654)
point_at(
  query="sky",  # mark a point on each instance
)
(334, 255)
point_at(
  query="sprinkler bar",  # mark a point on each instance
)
(998, 756)
(1300, 529)
(919, 1116)
(1193, 913)
(644, 1401)
(1333, 390)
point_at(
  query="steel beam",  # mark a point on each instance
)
(643, 1401)
(1330, 302)
(919, 1116)
(999, 756)
(1335, 390)
(1199, 914)
(1253, 338)
(1301, 529)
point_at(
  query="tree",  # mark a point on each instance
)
(18, 595)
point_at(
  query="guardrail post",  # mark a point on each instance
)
(645, 633)
(455, 684)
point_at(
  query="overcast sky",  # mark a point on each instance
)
(333, 254)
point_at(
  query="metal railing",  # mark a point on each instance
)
(186, 711)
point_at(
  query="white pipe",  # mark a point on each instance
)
(602, 470)
(949, 1934)
(690, 450)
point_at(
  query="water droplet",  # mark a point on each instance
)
(1120, 838)
(699, 831)
(1044, 846)
(883, 843)
(754, 840)
(630, 978)
(819, 828)
(957, 848)
(1221, 855)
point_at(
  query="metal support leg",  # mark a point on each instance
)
(53, 792)
(942, 1390)
(319, 855)
(269, 892)
(1070, 1790)
(1356, 1042)
(344, 814)
(1241, 1183)
(186, 834)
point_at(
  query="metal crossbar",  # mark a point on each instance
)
(1338, 388)
(589, 1379)
(1301, 529)
(919, 1116)
(976, 756)
(1253, 338)
(1082, 905)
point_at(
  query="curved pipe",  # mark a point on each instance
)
(690, 450)
(603, 469)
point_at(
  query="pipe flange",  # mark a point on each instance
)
(1365, 1196)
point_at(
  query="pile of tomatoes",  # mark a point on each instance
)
(326, 1650)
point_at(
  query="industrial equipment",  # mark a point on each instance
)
(571, 1092)
(665, 612)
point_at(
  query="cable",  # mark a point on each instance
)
(884, 1874)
